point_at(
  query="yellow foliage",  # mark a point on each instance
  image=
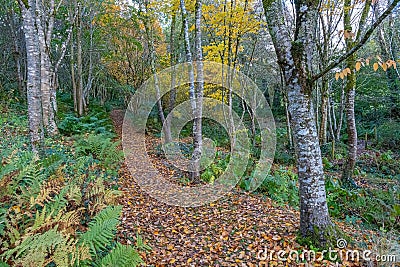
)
(384, 65)
(227, 26)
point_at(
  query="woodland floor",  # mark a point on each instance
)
(228, 232)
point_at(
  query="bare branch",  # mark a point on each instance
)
(362, 41)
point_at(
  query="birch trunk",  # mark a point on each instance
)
(197, 124)
(324, 111)
(341, 113)
(350, 90)
(80, 100)
(294, 58)
(17, 55)
(150, 44)
(197, 141)
(44, 26)
(33, 75)
(172, 97)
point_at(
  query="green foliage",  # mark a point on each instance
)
(389, 135)
(43, 248)
(102, 148)
(212, 172)
(283, 155)
(375, 207)
(94, 122)
(47, 202)
(281, 187)
(120, 256)
(101, 229)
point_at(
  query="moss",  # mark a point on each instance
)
(267, 3)
(26, 4)
(322, 238)
(297, 49)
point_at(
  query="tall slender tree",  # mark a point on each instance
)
(295, 57)
(34, 97)
(194, 101)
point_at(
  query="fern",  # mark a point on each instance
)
(101, 229)
(99, 197)
(34, 250)
(102, 148)
(74, 194)
(48, 247)
(140, 244)
(69, 253)
(28, 182)
(121, 256)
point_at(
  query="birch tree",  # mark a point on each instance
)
(295, 49)
(34, 99)
(197, 126)
(194, 101)
(294, 58)
(350, 87)
(150, 43)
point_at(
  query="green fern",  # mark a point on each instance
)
(34, 250)
(101, 229)
(121, 256)
(140, 244)
(102, 148)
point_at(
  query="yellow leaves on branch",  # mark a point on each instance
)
(342, 74)
(348, 34)
(362, 62)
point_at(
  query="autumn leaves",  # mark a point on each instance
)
(384, 65)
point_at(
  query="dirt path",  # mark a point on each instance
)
(228, 232)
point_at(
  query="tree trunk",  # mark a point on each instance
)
(350, 90)
(197, 127)
(341, 113)
(17, 53)
(192, 93)
(350, 164)
(80, 100)
(33, 75)
(44, 32)
(150, 44)
(324, 111)
(172, 96)
(294, 59)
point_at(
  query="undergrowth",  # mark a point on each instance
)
(61, 209)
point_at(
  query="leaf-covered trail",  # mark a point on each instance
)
(229, 232)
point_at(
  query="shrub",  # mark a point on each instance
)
(389, 135)
(102, 148)
(97, 122)
(282, 187)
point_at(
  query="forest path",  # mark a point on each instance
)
(228, 232)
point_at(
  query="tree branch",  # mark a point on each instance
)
(362, 41)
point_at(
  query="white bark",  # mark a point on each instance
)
(197, 127)
(295, 61)
(150, 44)
(33, 75)
(44, 26)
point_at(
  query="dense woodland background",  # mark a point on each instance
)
(327, 68)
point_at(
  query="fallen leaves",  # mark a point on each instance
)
(228, 232)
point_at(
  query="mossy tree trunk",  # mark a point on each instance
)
(351, 39)
(294, 58)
